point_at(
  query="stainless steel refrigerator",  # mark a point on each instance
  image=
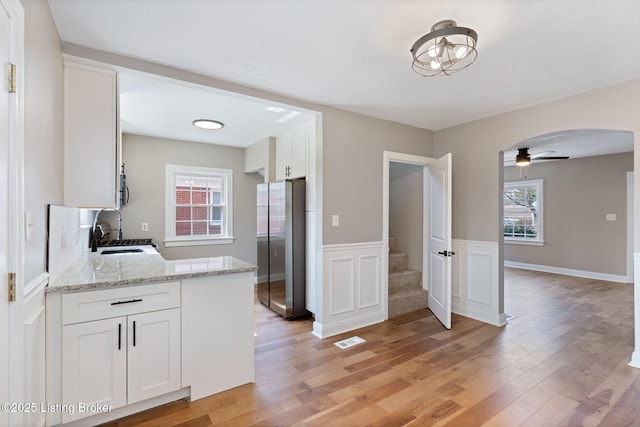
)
(281, 247)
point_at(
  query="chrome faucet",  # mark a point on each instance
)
(94, 239)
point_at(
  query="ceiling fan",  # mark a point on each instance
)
(523, 158)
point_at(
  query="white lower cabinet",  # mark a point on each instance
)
(118, 347)
(94, 363)
(153, 354)
(120, 361)
(117, 351)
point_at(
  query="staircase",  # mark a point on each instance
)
(405, 286)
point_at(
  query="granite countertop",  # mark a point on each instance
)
(95, 271)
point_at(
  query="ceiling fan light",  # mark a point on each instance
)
(523, 158)
(435, 65)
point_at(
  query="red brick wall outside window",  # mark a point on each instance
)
(199, 206)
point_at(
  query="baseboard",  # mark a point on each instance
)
(131, 409)
(635, 360)
(569, 272)
(465, 308)
(325, 331)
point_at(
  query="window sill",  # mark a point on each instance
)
(524, 242)
(170, 243)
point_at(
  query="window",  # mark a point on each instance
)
(523, 212)
(198, 206)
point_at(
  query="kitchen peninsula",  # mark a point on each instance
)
(129, 331)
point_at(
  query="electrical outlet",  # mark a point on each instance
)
(145, 226)
(611, 217)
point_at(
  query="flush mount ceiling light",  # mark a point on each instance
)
(208, 124)
(445, 50)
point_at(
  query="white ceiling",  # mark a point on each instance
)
(354, 54)
(154, 106)
(574, 144)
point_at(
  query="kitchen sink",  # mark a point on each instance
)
(121, 251)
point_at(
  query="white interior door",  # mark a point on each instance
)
(439, 181)
(5, 22)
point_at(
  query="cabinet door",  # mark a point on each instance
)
(90, 137)
(94, 365)
(291, 154)
(153, 353)
(299, 155)
(283, 159)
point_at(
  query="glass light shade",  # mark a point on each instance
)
(461, 52)
(208, 124)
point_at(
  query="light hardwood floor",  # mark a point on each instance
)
(561, 361)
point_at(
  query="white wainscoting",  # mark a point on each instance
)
(474, 281)
(635, 357)
(352, 294)
(569, 272)
(34, 349)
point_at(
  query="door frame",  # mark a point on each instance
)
(394, 157)
(12, 364)
(630, 177)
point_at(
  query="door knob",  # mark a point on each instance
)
(446, 253)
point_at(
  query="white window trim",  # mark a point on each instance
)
(539, 241)
(171, 240)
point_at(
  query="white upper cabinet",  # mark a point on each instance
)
(91, 136)
(261, 157)
(291, 153)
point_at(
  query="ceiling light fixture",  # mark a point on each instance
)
(523, 158)
(445, 50)
(208, 124)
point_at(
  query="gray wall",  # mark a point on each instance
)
(578, 193)
(43, 128)
(405, 210)
(352, 171)
(145, 158)
(476, 146)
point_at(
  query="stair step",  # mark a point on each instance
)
(407, 301)
(398, 262)
(405, 279)
(393, 244)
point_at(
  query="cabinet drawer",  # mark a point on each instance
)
(103, 304)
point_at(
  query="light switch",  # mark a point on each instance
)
(335, 220)
(611, 217)
(28, 225)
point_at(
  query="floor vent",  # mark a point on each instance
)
(349, 342)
